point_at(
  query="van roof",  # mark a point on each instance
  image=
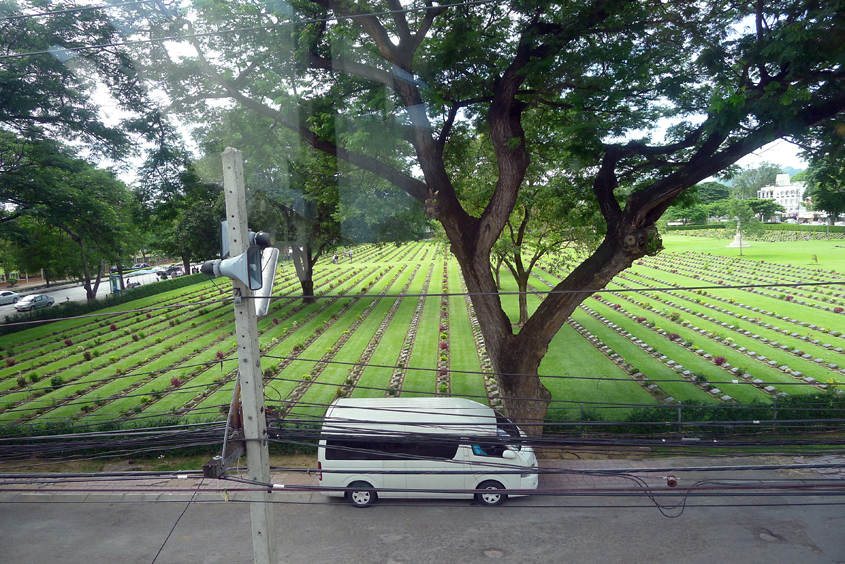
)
(414, 415)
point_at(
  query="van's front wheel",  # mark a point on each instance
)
(361, 494)
(487, 495)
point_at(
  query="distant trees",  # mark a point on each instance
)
(68, 216)
(709, 192)
(742, 220)
(825, 175)
(746, 182)
(309, 201)
(177, 211)
(764, 208)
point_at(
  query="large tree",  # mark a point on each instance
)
(729, 76)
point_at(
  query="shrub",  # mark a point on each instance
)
(175, 382)
(275, 321)
(10, 361)
(21, 381)
(68, 342)
(113, 327)
(149, 315)
(673, 336)
(719, 360)
(444, 346)
(219, 355)
(86, 355)
(838, 310)
(56, 382)
(34, 377)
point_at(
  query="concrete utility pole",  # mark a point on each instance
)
(249, 365)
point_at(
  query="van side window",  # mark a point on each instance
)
(385, 449)
(489, 450)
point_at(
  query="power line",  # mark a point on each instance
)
(244, 30)
(75, 10)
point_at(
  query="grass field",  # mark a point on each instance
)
(630, 346)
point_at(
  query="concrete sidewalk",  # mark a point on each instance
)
(565, 477)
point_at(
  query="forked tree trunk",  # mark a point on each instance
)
(516, 358)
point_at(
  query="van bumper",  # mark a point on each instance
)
(531, 482)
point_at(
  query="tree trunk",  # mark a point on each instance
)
(522, 285)
(186, 265)
(302, 262)
(307, 291)
(499, 273)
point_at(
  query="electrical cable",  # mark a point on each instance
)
(77, 9)
(187, 505)
(512, 374)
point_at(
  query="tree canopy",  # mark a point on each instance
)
(402, 90)
(62, 202)
(825, 175)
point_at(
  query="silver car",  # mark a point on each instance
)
(7, 297)
(35, 301)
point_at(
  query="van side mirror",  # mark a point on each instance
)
(509, 454)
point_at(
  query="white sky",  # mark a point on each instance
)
(779, 152)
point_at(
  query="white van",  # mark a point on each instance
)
(422, 447)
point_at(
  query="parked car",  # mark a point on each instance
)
(140, 265)
(7, 297)
(35, 301)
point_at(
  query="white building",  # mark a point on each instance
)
(788, 194)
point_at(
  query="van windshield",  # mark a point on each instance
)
(507, 428)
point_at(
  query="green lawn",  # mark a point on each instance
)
(131, 369)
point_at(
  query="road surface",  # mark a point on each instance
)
(311, 529)
(73, 293)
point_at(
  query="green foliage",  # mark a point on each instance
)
(747, 182)
(826, 178)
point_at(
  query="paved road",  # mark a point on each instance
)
(115, 525)
(530, 530)
(73, 293)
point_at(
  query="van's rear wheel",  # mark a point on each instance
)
(361, 494)
(487, 494)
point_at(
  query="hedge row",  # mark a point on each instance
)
(766, 226)
(695, 227)
(74, 438)
(811, 408)
(73, 309)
